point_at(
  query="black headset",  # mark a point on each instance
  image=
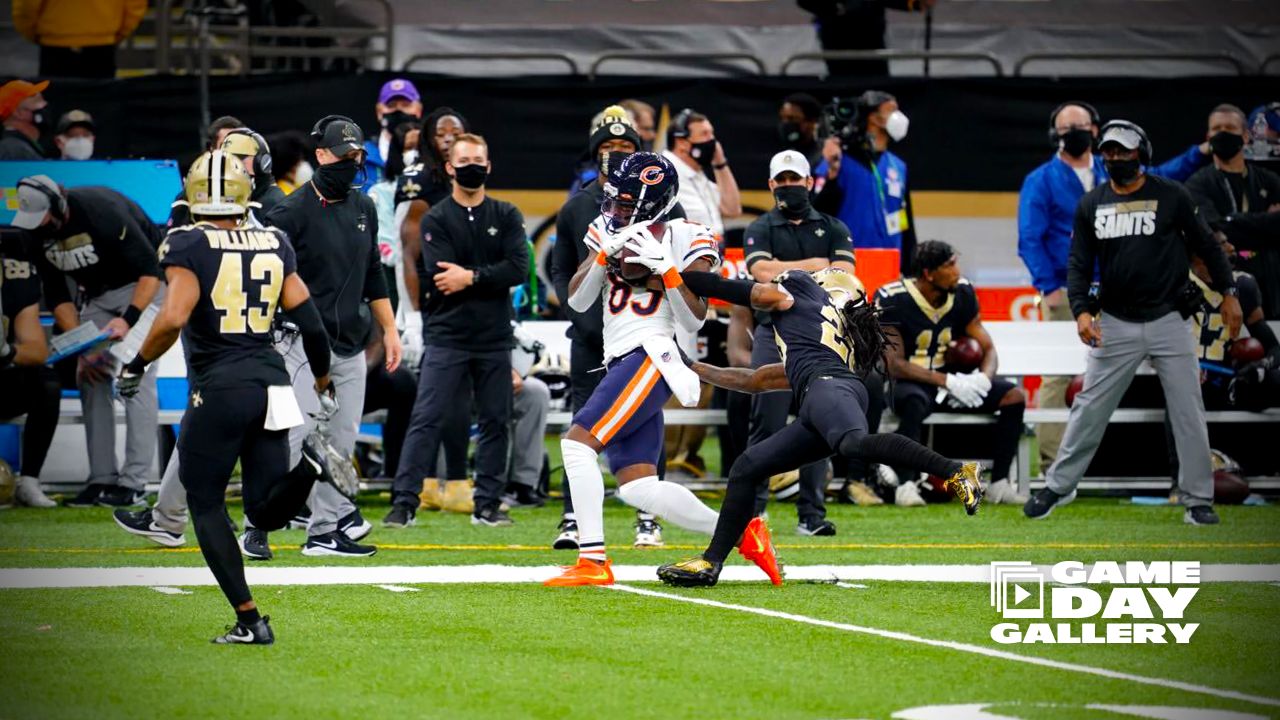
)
(679, 127)
(317, 130)
(262, 158)
(57, 201)
(1094, 118)
(1144, 146)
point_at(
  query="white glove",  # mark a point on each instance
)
(328, 403)
(651, 253)
(964, 390)
(982, 382)
(614, 242)
(411, 339)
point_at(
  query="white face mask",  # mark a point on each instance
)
(409, 157)
(896, 125)
(77, 148)
(302, 175)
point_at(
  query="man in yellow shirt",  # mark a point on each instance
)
(77, 38)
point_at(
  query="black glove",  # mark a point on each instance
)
(130, 379)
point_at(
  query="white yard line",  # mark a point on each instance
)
(398, 588)
(163, 590)
(962, 647)
(436, 574)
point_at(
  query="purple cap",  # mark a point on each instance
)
(398, 87)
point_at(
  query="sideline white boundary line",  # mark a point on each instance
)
(951, 645)
(30, 578)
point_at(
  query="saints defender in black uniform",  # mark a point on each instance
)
(828, 335)
(225, 282)
(922, 315)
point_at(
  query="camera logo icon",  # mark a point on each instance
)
(1017, 589)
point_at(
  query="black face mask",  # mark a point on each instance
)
(789, 133)
(394, 119)
(1077, 141)
(793, 201)
(335, 180)
(704, 152)
(1226, 145)
(471, 177)
(1123, 171)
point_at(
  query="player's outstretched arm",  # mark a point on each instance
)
(296, 300)
(762, 379)
(179, 301)
(761, 296)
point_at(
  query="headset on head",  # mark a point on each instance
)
(262, 158)
(1144, 146)
(1094, 118)
(317, 130)
(679, 127)
(56, 199)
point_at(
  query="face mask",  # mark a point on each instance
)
(409, 157)
(896, 125)
(1077, 141)
(395, 118)
(1226, 145)
(1123, 171)
(302, 175)
(609, 161)
(471, 177)
(789, 133)
(78, 148)
(334, 180)
(704, 152)
(793, 200)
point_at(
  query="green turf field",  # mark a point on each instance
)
(805, 650)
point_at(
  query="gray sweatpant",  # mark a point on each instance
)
(1169, 344)
(98, 404)
(529, 415)
(327, 504)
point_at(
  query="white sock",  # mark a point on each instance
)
(586, 483)
(672, 501)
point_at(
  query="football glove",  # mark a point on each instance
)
(328, 402)
(130, 379)
(964, 390)
(411, 339)
(614, 242)
(651, 253)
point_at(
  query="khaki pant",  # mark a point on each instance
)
(1053, 393)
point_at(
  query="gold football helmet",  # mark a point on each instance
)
(840, 285)
(217, 185)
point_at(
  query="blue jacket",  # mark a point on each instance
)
(875, 208)
(1047, 208)
(373, 165)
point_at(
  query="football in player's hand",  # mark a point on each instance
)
(634, 273)
(1075, 386)
(1229, 488)
(963, 355)
(1246, 350)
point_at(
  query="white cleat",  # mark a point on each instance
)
(1003, 492)
(908, 495)
(648, 534)
(28, 493)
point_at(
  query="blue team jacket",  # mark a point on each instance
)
(876, 212)
(1047, 210)
(373, 165)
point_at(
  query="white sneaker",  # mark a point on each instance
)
(1002, 492)
(908, 495)
(29, 493)
(887, 476)
(648, 534)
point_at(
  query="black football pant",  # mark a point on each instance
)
(221, 426)
(35, 392)
(446, 374)
(394, 393)
(832, 419)
(913, 402)
(769, 413)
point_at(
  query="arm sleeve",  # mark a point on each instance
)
(841, 248)
(1033, 228)
(757, 243)
(513, 268)
(1080, 263)
(1181, 167)
(375, 281)
(315, 343)
(1201, 242)
(715, 285)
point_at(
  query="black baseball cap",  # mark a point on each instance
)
(76, 118)
(341, 137)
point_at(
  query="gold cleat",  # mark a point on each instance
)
(431, 497)
(694, 572)
(965, 485)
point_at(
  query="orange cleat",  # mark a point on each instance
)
(586, 572)
(757, 546)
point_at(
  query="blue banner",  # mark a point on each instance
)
(151, 183)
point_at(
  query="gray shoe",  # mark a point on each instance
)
(29, 493)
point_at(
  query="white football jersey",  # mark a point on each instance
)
(631, 314)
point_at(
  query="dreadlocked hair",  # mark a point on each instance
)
(863, 332)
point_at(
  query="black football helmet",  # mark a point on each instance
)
(642, 189)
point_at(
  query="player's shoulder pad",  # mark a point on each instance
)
(888, 290)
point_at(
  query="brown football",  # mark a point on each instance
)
(1246, 350)
(963, 355)
(633, 272)
(1229, 488)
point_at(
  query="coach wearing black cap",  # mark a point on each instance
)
(75, 135)
(474, 250)
(1139, 231)
(791, 236)
(105, 244)
(334, 230)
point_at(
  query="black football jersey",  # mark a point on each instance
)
(1210, 331)
(926, 330)
(19, 284)
(228, 337)
(415, 183)
(810, 335)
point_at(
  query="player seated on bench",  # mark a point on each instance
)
(925, 316)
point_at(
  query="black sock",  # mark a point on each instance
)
(248, 617)
(735, 514)
(1008, 432)
(897, 451)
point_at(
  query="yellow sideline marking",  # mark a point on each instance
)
(780, 546)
